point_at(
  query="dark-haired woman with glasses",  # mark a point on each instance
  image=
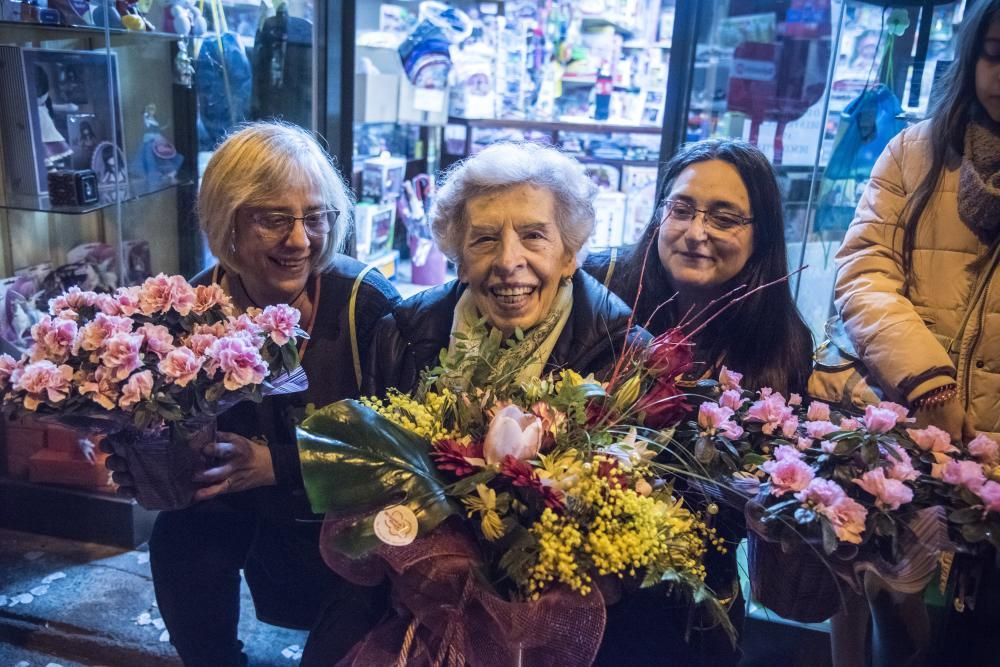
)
(719, 226)
(275, 212)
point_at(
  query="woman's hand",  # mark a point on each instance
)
(242, 464)
(948, 416)
(119, 470)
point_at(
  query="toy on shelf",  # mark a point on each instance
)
(158, 159)
(184, 17)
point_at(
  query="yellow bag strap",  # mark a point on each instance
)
(611, 267)
(352, 323)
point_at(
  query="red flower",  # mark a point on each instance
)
(553, 498)
(461, 459)
(523, 476)
(663, 404)
(610, 470)
(597, 412)
(669, 354)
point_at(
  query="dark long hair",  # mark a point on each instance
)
(763, 336)
(951, 112)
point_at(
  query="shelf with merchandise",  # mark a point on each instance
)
(565, 125)
(108, 197)
(19, 31)
(619, 23)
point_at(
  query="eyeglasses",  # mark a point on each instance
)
(276, 226)
(682, 214)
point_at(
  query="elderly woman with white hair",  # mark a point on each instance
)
(275, 212)
(513, 218)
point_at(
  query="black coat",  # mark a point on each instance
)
(410, 338)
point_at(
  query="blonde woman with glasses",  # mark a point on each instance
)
(275, 212)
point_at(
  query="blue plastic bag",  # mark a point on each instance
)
(867, 125)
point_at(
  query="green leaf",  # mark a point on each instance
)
(829, 536)
(967, 515)
(355, 460)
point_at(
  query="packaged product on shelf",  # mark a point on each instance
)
(376, 225)
(609, 213)
(42, 89)
(382, 178)
(639, 188)
(604, 176)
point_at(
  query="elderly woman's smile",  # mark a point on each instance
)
(513, 256)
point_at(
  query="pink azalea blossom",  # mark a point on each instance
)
(764, 392)
(53, 338)
(990, 495)
(889, 493)
(219, 329)
(849, 424)
(732, 399)
(821, 493)
(239, 360)
(101, 388)
(795, 399)
(783, 452)
(43, 380)
(73, 299)
(932, 439)
(902, 414)
(900, 468)
(771, 410)
(163, 293)
(8, 365)
(122, 354)
(790, 427)
(985, 449)
(107, 304)
(245, 327)
(827, 446)
(964, 473)
(731, 430)
(128, 300)
(279, 322)
(180, 366)
(139, 387)
(820, 429)
(200, 342)
(94, 333)
(711, 415)
(159, 340)
(846, 516)
(730, 379)
(207, 297)
(880, 420)
(803, 444)
(788, 474)
(818, 412)
(512, 432)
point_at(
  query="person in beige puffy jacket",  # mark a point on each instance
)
(917, 283)
(918, 289)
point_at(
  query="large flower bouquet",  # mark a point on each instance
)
(847, 494)
(505, 509)
(152, 364)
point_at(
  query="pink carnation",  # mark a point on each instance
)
(730, 379)
(732, 399)
(53, 338)
(122, 354)
(207, 297)
(279, 322)
(239, 360)
(159, 340)
(180, 365)
(771, 410)
(964, 473)
(788, 474)
(985, 449)
(880, 420)
(163, 293)
(990, 495)
(43, 380)
(101, 388)
(94, 333)
(932, 439)
(137, 388)
(900, 468)
(889, 493)
(818, 412)
(820, 429)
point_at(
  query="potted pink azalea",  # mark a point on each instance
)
(152, 366)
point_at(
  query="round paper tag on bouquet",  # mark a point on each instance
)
(396, 525)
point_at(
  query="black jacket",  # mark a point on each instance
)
(409, 339)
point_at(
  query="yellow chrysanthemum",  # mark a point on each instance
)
(486, 505)
(561, 470)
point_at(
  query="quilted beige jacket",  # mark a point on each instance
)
(946, 326)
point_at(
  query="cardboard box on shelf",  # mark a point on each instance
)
(22, 438)
(51, 466)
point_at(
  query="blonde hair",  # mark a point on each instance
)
(253, 166)
(505, 165)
